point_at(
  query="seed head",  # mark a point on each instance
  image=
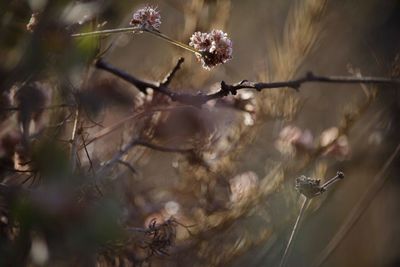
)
(148, 18)
(308, 186)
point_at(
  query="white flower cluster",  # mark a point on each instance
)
(215, 47)
(148, 18)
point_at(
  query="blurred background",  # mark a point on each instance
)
(209, 186)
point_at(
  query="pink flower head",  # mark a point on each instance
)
(334, 144)
(200, 41)
(243, 186)
(215, 46)
(292, 139)
(148, 18)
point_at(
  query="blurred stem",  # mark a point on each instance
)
(137, 142)
(105, 32)
(73, 140)
(304, 205)
(136, 30)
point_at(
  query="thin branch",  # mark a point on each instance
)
(135, 142)
(139, 84)
(105, 131)
(73, 140)
(129, 166)
(10, 109)
(167, 80)
(161, 148)
(294, 231)
(117, 157)
(226, 89)
(356, 213)
(87, 155)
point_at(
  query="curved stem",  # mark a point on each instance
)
(294, 231)
(105, 32)
(136, 30)
(172, 41)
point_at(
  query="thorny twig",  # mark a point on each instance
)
(226, 89)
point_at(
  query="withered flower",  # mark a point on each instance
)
(308, 187)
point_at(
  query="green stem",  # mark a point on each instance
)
(172, 41)
(135, 29)
(105, 32)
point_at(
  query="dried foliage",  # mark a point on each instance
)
(115, 156)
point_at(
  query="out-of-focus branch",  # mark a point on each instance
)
(73, 140)
(137, 142)
(162, 148)
(226, 89)
(10, 109)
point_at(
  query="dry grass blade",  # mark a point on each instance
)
(301, 33)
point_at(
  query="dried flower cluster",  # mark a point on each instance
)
(148, 18)
(308, 187)
(215, 47)
(161, 236)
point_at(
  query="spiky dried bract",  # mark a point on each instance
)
(147, 18)
(215, 46)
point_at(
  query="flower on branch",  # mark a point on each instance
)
(215, 47)
(148, 18)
